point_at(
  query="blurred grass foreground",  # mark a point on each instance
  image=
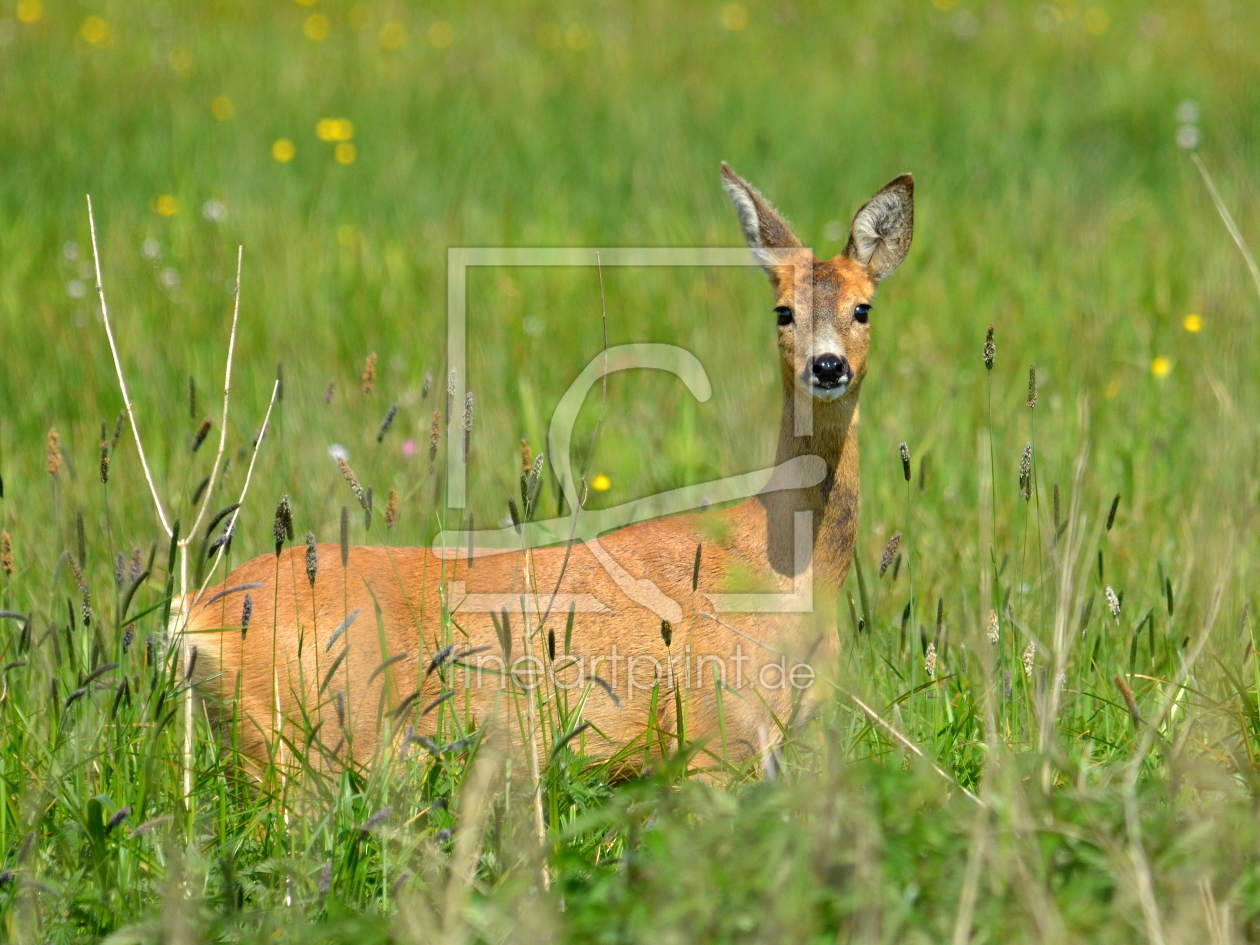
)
(1062, 154)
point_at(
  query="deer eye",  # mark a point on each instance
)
(785, 315)
(862, 314)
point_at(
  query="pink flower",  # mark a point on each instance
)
(409, 447)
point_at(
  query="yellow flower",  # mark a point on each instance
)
(283, 150)
(441, 34)
(734, 16)
(1192, 323)
(345, 153)
(601, 483)
(316, 27)
(29, 11)
(360, 16)
(222, 108)
(1113, 389)
(96, 31)
(1161, 366)
(334, 129)
(393, 35)
(1096, 21)
(166, 205)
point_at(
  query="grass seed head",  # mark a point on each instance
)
(1029, 657)
(54, 452)
(247, 613)
(990, 350)
(391, 509)
(435, 435)
(312, 559)
(991, 630)
(468, 423)
(120, 569)
(905, 460)
(387, 422)
(1113, 602)
(137, 565)
(427, 387)
(200, 436)
(929, 661)
(104, 454)
(192, 396)
(6, 553)
(345, 536)
(1032, 386)
(667, 633)
(1130, 702)
(118, 428)
(1025, 473)
(1111, 515)
(527, 455)
(282, 527)
(450, 396)
(353, 481)
(328, 391)
(889, 553)
(369, 374)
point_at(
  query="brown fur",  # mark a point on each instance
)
(401, 594)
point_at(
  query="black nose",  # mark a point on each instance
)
(831, 371)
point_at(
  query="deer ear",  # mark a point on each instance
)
(764, 229)
(880, 236)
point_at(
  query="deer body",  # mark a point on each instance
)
(368, 647)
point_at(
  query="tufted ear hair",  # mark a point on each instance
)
(880, 236)
(764, 229)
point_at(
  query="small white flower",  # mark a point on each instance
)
(1030, 655)
(1113, 602)
(169, 277)
(1187, 112)
(1188, 137)
(70, 250)
(337, 451)
(76, 289)
(215, 211)
(151, 248)
(929, 661)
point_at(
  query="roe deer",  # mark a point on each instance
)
(387, 634)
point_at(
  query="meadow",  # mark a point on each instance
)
(1089, 776)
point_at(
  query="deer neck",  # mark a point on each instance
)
(832, 503)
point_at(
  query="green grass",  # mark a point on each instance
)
(1053, 203)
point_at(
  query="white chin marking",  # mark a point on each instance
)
(829, 393)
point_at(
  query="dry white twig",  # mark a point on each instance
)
(223, 426)
(122, 383)
(187, 612)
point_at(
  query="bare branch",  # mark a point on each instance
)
(122, 383)
(249, 475)
(227, 391)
